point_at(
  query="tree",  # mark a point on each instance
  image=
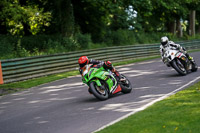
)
(170, 13)
(192, 23)
(63, 17)
(16, 16)
(92, 17)
(98, 17)
(192, 6)
(198, 20)
(144, 10)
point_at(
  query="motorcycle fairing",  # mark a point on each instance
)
(99, 73)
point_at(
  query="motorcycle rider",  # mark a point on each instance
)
(83, 61)
(165, 43)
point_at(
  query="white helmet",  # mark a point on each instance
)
(164, 40)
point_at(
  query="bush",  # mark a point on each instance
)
(53, 46)
(84, 40)
(7, 45)
(120, 37)
(14, 47)
(38, 41)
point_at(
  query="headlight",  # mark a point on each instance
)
(183, 58)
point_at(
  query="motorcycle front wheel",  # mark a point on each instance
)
(100, 92)
(179, 67)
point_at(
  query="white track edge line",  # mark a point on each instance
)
(147, 105)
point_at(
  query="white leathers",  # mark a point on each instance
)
(166, 44)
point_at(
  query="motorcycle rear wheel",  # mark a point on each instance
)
(125, 85)
(98, 92)
(194, 67)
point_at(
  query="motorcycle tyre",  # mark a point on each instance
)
(194, 67)
(126, 89)
(175, 66)
(96, 93)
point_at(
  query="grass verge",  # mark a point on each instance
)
(194, 50)
(178, 113)
(17, 86)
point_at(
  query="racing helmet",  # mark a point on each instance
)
(82, 61)
(164, 40)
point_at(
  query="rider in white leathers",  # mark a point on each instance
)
(165, 43)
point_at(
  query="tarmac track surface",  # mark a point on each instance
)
(65, 106)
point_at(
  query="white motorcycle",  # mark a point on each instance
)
(179, 61)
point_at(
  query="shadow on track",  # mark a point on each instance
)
(92, 99)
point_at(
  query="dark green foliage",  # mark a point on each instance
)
(84, 41)
(56, 26)
(14, 47)
(23, 18)
(37, 41)
(7, 46)
(120, 37)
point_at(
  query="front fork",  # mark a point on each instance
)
(184, 61)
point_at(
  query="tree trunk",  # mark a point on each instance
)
(65, 17)
(179, 28)
(114, 25)
(68, 17)
(192, 23)
(171, 27)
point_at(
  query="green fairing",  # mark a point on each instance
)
(95, 74)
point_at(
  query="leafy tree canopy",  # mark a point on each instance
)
(19, 18)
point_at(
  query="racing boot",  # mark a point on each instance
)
(189, 57)
(119, 77)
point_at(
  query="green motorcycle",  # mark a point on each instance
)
(103, 84)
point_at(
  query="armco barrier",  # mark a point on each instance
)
(31, 67)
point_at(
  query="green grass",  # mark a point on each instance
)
(179, 113)
(195, 50)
